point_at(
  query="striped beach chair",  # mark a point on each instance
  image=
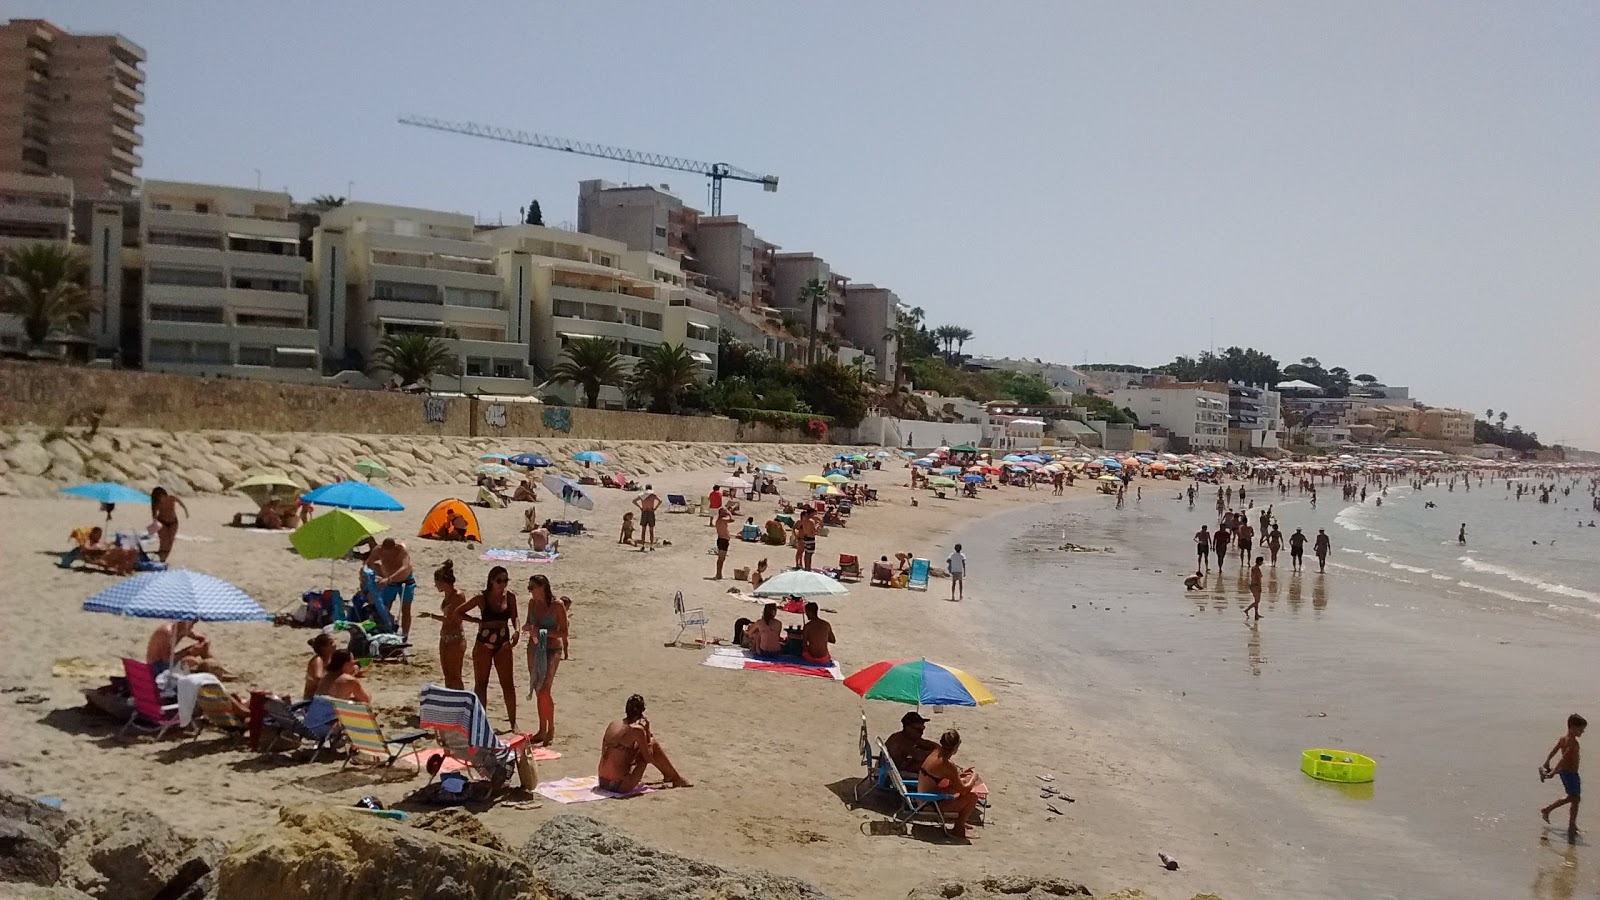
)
(147, 702)
(214, 709)
(362, 730)
(462, 727)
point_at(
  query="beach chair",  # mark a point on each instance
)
(461, 725)
(312, 720)
(873, 780)
(849, 568)
(214, 709)
(608, 481)
(912, 803)
(872, 495)
(688, 618)
(750, 533)
(882, 574)
(365, 736)
(147, 702)
(918, 579)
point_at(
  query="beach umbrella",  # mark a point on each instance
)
(531, 461)
(941, 481)
(923, 463)
(737, 484)
(372, 469)
(352, 495)
(735, 458)
(857, 457)
(495, 470)
(177, 594)
(570, 492)
(814, 479)
(107, 492)
(972, 479)
(1108, 478)
(494, 457)
(908, 454)
(1011, 457)
(800, 583)
(918, 682)
(838, 478)
(773, 468)
(881, 454)
(827, 490)
(589, 456)
(333, 534)
(267, 480)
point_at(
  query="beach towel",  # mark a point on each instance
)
(188, 688)
(583, 790)
(450, 764)
(519, 556)
(740, 658)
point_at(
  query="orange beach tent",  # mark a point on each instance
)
(438, 519)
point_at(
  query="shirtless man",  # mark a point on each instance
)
(1297, 549)
(806, 529)
(907, 747)
(1219, 543)
(1321, 547)
(1202, 546)
(724, 539)
(391, 562)
(1245, 539)
(628, 747)
(648, 503)
(815, 637)
(164, 650)
(1255, 589)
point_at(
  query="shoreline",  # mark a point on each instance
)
(773, 757)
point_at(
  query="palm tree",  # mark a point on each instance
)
(325, 202)
(946, 335)
(962, 335)
(813, 293)
(590, 363)
(414, 358)
(662, 374)
(1503, 416)
(44, 285)
(1488, 414)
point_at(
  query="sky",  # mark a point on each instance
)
(1408, 189)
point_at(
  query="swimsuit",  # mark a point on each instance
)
(494, 629)
(722, 545)
(540, 648)
(1572, 783)
(647, 518)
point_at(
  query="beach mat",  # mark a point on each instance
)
(451, 764)
(739, 658)
(583, 790)
(518, 556)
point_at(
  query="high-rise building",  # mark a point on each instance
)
(69, 106)
(644, 217)
(791, 273)
(871, 320)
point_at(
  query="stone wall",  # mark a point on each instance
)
(55, 396)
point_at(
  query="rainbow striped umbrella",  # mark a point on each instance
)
(918, 682)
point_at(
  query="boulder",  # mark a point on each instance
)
(999, 887)
(203, 480)
(580, 859)
(458, 823)
(35, 892)
(28, 457)
(31, 839)
(326, 853)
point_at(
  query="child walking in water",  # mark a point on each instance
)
(1566, 768)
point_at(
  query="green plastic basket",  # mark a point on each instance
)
(1338, 765)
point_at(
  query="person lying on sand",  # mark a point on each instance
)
(628, 747)
(106, 554)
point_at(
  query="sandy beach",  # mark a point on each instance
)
(773, 756)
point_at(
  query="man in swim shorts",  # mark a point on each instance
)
(724, 539)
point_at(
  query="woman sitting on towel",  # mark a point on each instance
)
(627, 747)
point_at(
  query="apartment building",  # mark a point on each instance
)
(692, 317)
(420, 271)
(1439, 424)
(735, 261)
(644, 217)
(1254, 418)
(224, 287)
(69, 106)
(33, 209)
(871, 319)
(791, 272)
(1194, 414)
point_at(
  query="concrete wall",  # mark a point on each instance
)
(56, 396)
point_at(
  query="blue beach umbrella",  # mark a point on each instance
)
(950, 470)
(177, 594)
(531, 461)
(570, 492)
(735, 458)
(1011, 457)
(352, 495)
(107, 492)
(973, 478)
(1110, 464)
(923, 463)
(589, 456)
(494, 457)
(773, 467)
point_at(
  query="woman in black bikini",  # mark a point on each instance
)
(497, 634)
(547, 637)
(164, 509)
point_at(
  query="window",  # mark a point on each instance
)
(661, 232)
(212, 352)
(398, 258)
(255, 356)
(569, 309)
(211, 315)
(263, 245)
(478, 366)
(260, 320)
(186, 277)
(294, 358)
(479, 299)
(507, 368)
(169, 351)
(186, 239)
(266, 281)
(202, 208)
(405, 292)
(651, 321)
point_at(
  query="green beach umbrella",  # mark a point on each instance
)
(372, 469)
(941, 481)
(332, 534)
(837, 478)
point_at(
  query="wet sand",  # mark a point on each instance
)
(1458, 702)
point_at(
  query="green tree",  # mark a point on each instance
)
(833, 390)
(590, 363)
(962, 335)
(946, 336)
(45, 285)
(535, 214)
(662, 376)
(1488, 414)
(1503, 416)
(325, 202)
(813, 294)
(1366, 379)
(414, 358)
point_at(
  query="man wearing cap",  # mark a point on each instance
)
(907, 747)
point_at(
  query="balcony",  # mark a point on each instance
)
(438, 278)
(126, 157)
(488, 384)
(126, 72)
(127, 114)
(265, 302)
(126, 135)
(581, 328)
(608, 298)
(127, 92)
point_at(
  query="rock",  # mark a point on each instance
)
(1009, 887)
(458, 823)
(4, 466)
(1206, 897)
(203, 481)
(326, 853)
(1130, 894)
(31, 840)
(580, 859)
(35, 892)
(28, 457)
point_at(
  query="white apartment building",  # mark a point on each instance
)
(400, 269)
(692, 316)
(224, 284)
(33, 209)
(1195, 412)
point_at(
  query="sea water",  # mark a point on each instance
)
(1454, 667)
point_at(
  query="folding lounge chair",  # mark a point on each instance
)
(312, 720)
(147, 702)
(462, 727)
(918, 578)
(677, 504)
(214, 709)
(882, 573)
(912, 803)
(688, 618)
(874, 778)
(361, 727)
(849, 568)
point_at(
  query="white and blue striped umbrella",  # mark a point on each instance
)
(177, 594)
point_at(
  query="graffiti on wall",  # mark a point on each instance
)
(434, 409)
(494, 415)
(558, 418)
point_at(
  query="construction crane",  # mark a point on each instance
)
(717, 172)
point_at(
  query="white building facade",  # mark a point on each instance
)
(1195, 413)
